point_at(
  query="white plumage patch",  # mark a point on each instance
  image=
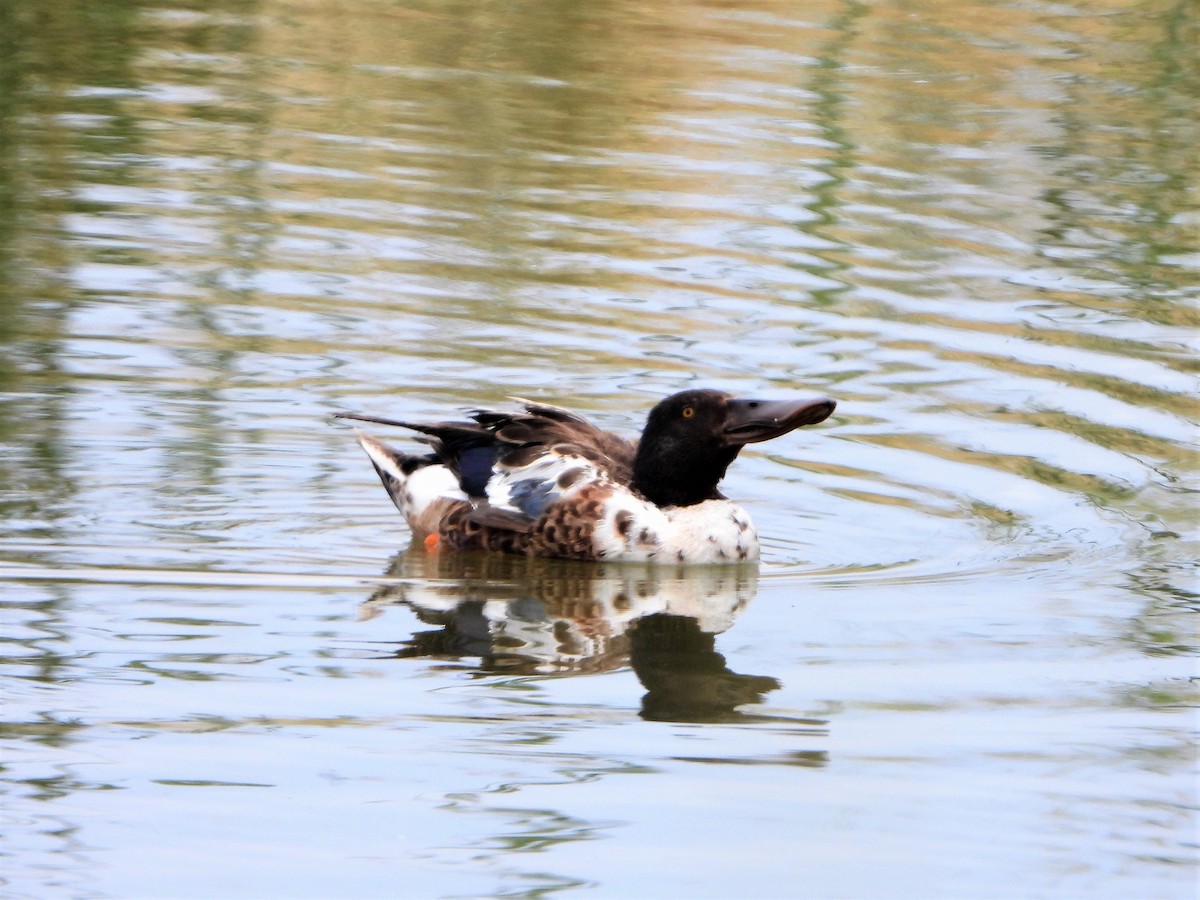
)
(432, 483)
(715, 531)
(549, 478)
(414, 492)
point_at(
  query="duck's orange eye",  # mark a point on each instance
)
(688, 412)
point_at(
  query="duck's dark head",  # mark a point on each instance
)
(691, 438)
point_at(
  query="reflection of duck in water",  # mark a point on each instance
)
(525, 616)
(548, 483)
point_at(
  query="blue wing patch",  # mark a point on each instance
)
(532, 495)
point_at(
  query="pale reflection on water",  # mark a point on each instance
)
(966, 666)
(524, 617)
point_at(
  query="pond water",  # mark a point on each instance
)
(966, 666)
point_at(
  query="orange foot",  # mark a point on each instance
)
(431, 542)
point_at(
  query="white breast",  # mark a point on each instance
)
(715, 531)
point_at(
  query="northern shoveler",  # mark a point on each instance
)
(546, 482)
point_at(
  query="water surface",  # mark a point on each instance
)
(966, 664)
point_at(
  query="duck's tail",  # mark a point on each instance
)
(423, 489)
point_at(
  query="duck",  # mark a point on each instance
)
(545, 482)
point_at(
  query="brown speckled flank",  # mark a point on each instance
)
(567, 530)
(459, 531)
